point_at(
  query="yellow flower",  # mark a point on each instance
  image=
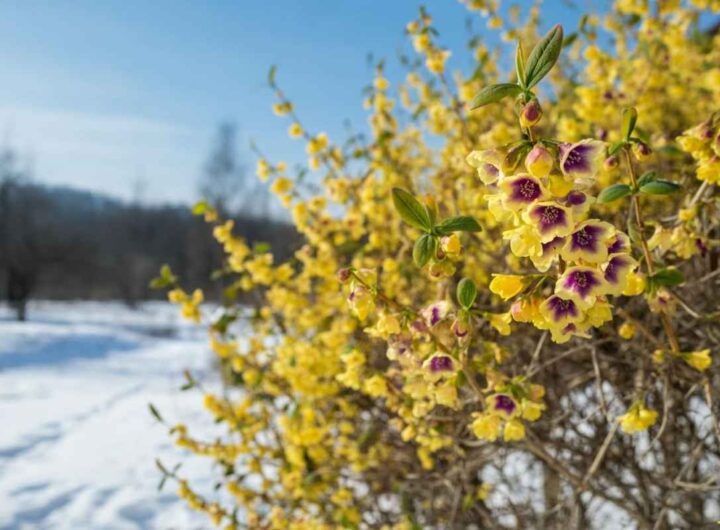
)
(687, 214)
(501, 322)
(281, 185)
(317, 145)
(281, 109)
(559, 186)
(635, 284)
(483, 491)
(295, 130)
(658, 356)
(435, 61)
(507, 285)
(526, 310)
(514, 430)
(381, 83)
(263, 169)
(176, 296)
(700, 360)
(376, 386)
(486, 427)
(451, 245)
(627, 330)
(638, 418)
(532, 410)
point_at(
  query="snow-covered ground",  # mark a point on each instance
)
(77, 443)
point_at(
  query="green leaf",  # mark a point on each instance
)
(494, 93)
(633, 230)
(520, 63)
(671, 151)
(466, 293)
(410, 209)
(431, 210)
(570, 39)
(460, 223)
(614, 148)
(613, 193)
(544, 56)
(669, 277)
(647, 177)
(424, 249)
(261, 247)
(271, 75)
(165, 279)
(155, 413)
(659, 187)
(629, 118)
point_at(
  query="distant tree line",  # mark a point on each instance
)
(60, 243)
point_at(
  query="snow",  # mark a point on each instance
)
(77, 443)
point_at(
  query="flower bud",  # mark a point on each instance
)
(539, 162)
(641, 150)
(611, 162)
(530, 114)
(343, 275)
(460, 328)
(703, 132)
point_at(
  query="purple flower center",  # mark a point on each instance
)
(504, 403)
(586, 238)
(577, 158)
(613, 268)
(575, 198)
(581, 282)
(701, 246)
(553, 245)
(441, 363)
(549, 216)
(525, 190)
(434, 315)
(561, 308)
(617, 246)
(570, 328)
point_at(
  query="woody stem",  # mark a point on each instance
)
(664, 318)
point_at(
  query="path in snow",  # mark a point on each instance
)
(77, 444)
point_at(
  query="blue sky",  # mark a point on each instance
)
(100, 94)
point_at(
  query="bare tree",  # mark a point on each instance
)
(225, 182)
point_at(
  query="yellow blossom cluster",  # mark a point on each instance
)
(451, 305)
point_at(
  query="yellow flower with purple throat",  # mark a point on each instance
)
(582, 161)
(439, 366)
(559, 312)
(589, 242)
(579, 202)
(617, 271)
(436, 313)
(582, 285)
(549, 219)
(487, 163)
(520, 191)
(549, 254)
(502, 404)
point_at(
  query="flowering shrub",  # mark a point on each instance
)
(505, 312)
